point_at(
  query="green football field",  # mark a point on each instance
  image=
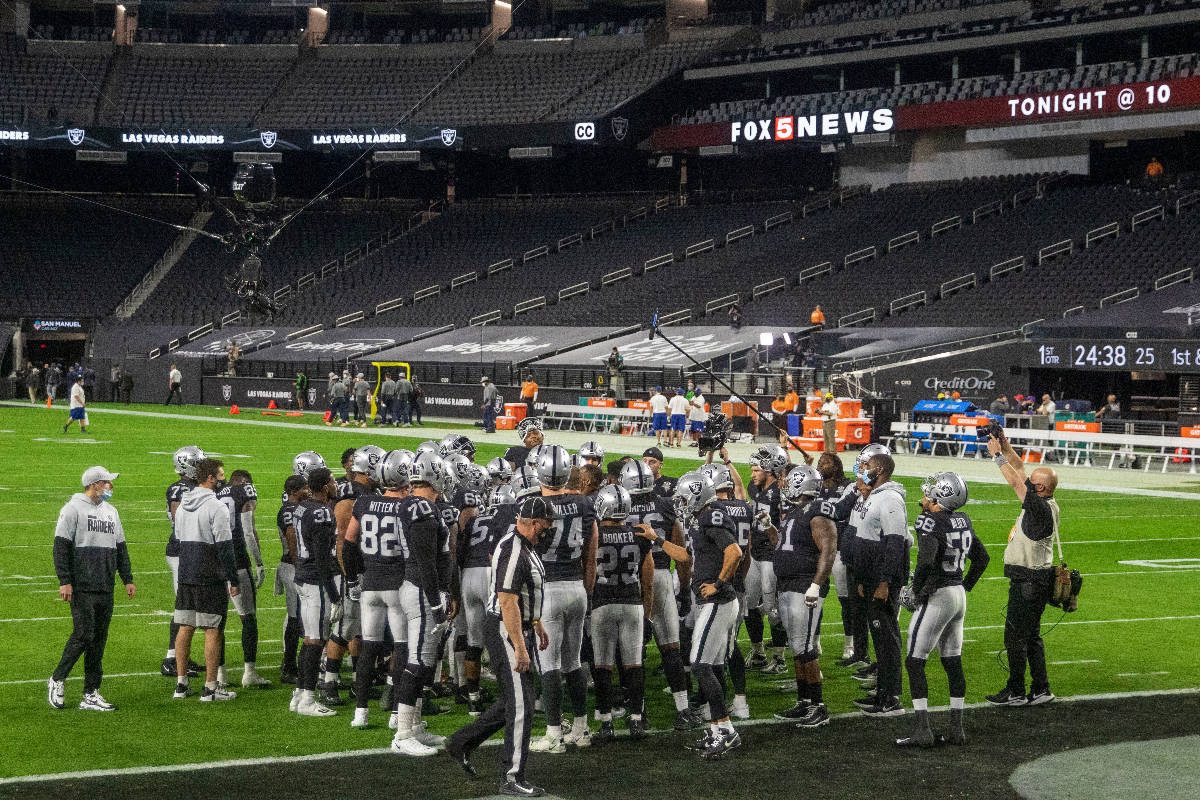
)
(1136, 630)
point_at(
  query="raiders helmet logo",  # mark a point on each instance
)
(620, 127)
(449, 136)
(75, 136)
(267, 138)
(226, 391)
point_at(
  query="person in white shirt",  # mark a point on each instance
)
(175, 381)
(829, 413)
(698, 416)
(77, 409)
(658, 415)
(678, 406)
(1047, 407)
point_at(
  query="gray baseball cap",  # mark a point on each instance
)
(94, 474)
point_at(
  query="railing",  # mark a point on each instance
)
(426, 293)
(300, 334)
(897, 355)
(203, 330)
(850, 192)
(567, 241)
(1028, 193)
(281, 293)
(1073, 311)
(1117, 298)
(634, 216)
(571, 291)
(463, 280)
(500, 266)
(596, 230)
(957, 284)
(1147, 215)
(739, 233)
(658, 261)
(537, 252)
(348, 258)
(615, 276)
(896, 242)
(815, 205)
(1028, 326)
(486, 317)
(769, 287)
(907, 301)
(529, 305)
(1173, 278)
(230, 318)
(388, 305)
(662, 204)
(329, 269)
(1005, 267)
(1103, 232)
(1186, 201)
(699, 247)
(719, 303)
(173, 345)
(816, 271)
(859, 255)
(777, 220)
(986, 210)
(857, 318)
(675, 317)
(155, 353)
(1056, 249)
(349, 319)
(948, 224)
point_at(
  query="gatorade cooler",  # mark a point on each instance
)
(814, 428)
(515, 410)
(506, 423)
(854, 431)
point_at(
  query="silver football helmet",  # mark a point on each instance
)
(502, 495)
(528, 424)
(429, 446)
(692, 493)
(186, 459)
(472, 478)
(430, 469)
(553, 466)
(636, 478)
(525, 483)
(392, 470)
(366, 460)
(532, 458)
(803, 481)
(591, 450)
(865, 455)
(947, 489)
(499, 471)
(456, 443)
(771, 458)
(718, 475)
(612, 502)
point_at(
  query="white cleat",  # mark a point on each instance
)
(253, 679)
(92, 701)
(220, 693)
(409, 746)
(548, 744)
(295, 702)
(580, 739)
(360, 718)
(421, 732)
(55, 692)
(312, 708)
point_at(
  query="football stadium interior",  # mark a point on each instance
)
(945, 238)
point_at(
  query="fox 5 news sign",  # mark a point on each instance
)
(812, 126)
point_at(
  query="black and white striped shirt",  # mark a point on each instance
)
(516, 569)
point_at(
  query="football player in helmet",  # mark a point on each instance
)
(457, 444)
(344, 481)
(529, 431)
(499, 472)
(316, 534)
(185, 460)
(945, 541)
(840, 491)
(804, 552)
(241, 498)
(525, 483)
(591, 453)
(767, 468)
(570, 561)
(295, 491)
(716, 556)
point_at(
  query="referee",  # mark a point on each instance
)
(89, 549)
(1029, 567)
(516, 581)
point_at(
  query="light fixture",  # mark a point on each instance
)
(766, 338)
(787, 338)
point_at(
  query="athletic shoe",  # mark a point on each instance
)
(796, 712)
(182, 691)
(360, 718)
(686, 720)
(168, 669)
(1005, 697)
(327, 693)
(581, 739)
(220, 693)
(460, 757)
(619, 713)
(521, 789)
(295, 702)
(421, 732)
(740, 708)
(887, 707)
(194, 669)
(393, 721)
(252, 678)
(1040, 698)
(868, 701)
(55, 693)
(701, 744)
(777, 667)
(721, 744)
(442, 689)
(313, 708)
(818, 716)
(64, 428)
(410, 746)
(637, 727)
(853, 661)
(869, 683)
(92, 701)
(548, 744)
(475, 707)
(606, 732)
(866, 673)
(288, 677)
(756, 661)
(922, 737)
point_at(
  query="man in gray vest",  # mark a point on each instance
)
(403, 411)
(387, 399)
(489, 405)
(1029, 567)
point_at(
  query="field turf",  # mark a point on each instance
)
(1132, 633)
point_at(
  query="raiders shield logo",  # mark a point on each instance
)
(267, 138)
(620, 127)
(449, 136)
(312, 397)
(75, 136)
(226, 391)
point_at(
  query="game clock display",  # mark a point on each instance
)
(1128, 354)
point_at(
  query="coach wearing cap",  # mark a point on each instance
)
(489, 404)
(89, 550)
(517, 579)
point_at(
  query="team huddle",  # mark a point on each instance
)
(394, 568)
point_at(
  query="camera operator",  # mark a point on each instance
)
(1029, 566)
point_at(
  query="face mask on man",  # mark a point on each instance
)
(106, 494)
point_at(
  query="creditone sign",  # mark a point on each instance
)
(812, 126)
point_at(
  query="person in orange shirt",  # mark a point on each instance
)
(818, 317)
(780, 407)
(792, 402)
(1154, 169)
(529, 391)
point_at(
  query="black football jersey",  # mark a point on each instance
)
(664, 486)
(381, 541)
(659, 513)
(235, 498)
(565, 540)
(796, 553)
(282, 520)
(428, 546)
(464, 499)
(945, 540)
(483, 532)
(764, 499)
(619, 556)
(713, 532)
(316, 535)
(175, 495)
(345, 487)
(843, 497)
(742, 514)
